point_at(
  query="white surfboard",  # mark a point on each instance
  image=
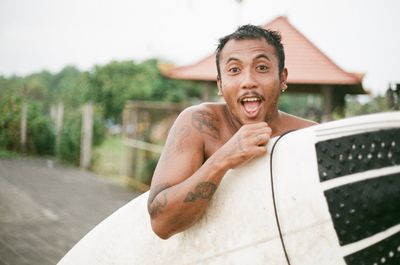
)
(327, 194)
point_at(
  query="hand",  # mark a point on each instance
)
(248, 142)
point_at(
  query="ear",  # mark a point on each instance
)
(283, 79)
(219, 84)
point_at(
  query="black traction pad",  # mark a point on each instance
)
(358, 153)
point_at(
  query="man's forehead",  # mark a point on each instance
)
(247, 47)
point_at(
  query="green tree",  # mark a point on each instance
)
(113, 84)
(69, 86)
(69, 149)
(355, 107)
(36, 87)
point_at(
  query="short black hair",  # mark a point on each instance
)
(251, 32)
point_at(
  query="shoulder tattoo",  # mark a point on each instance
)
(205, 122)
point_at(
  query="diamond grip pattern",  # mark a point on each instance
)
(364, 208)
(385, 252)
(357, 153)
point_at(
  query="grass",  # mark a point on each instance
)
(4, 154)
(108, 158)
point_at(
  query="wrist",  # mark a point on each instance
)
(220, 162)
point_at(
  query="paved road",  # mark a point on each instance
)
(45, 209)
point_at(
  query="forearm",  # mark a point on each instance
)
(176, 208)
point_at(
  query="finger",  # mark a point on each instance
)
(263, 135)
(262, 139)
(267, 131)
(260, 150)
(255, 126)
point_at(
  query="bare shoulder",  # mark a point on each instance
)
(295, 122)
(189, 114)
(210, 107)
(185, 143)
(205, 118)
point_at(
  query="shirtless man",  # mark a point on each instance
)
(209, 139)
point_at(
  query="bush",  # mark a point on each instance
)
(69, 149)
(40, 131)
(147, 171)
(40, 135)
(10, 122)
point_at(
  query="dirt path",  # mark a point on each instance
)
(46, 208)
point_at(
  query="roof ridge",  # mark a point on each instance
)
(309, 42)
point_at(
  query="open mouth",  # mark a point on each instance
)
(251, 104)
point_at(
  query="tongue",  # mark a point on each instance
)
(251, 106)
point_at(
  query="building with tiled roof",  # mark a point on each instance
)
(310, 70)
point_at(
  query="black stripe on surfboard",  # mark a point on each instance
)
(386, 252)
(273, 196)
(364, 208)
(358, 153)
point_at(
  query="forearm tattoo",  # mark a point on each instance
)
(203, 191)
(157, 206)
(205, 123)
(154, 205)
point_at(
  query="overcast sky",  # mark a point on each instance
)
(358, 35)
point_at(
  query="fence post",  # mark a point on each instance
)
(24, 111)
(57, 115)
(130, 121)
(86, 136)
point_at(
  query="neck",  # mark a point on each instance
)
(234, 123)
(273, 122)
(272, 119)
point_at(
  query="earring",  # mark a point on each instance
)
(284, 87)
(219, 93)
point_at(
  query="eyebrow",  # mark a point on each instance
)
(257, 57)
(232, 59)
(263, 56)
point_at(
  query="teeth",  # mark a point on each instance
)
(251, 99)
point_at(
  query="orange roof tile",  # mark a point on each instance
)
(204, 70)
(305, 62)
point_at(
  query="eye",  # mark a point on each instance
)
(234, 70)
(262, 67)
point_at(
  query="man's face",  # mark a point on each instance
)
(250, 81)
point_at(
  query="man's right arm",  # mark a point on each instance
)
(184, 182)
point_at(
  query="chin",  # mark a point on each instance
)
(247, 120)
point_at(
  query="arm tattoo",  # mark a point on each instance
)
(178, 137)
(205, 123)
(203, 190)
(156, 207)
(183, 133)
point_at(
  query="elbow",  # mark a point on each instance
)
(160, 231)
(159, 227)
(163, 236)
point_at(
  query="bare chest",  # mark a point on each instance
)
(212, 144)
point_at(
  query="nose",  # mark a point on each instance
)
(248, 80)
